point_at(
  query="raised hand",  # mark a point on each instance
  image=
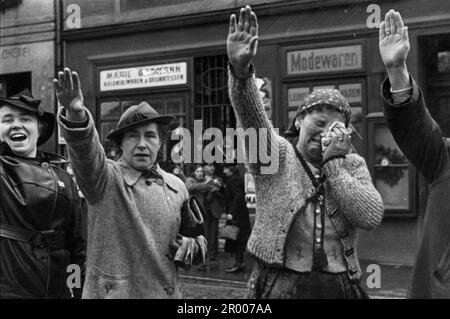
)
(393, 40)
(242, 41)
(68, 92)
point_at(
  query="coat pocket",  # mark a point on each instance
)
(100, 285)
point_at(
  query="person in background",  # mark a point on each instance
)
(196, 185)
(421, 139)
(40, 210)
(309, 210)
(215, 207)
(174, 169)
(238, 213)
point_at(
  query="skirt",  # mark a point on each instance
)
(281, 283)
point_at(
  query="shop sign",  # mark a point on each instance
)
(296, 96)
(335, 59)
(352, 92)
(144, 76)
(323, 87)
(17, 52)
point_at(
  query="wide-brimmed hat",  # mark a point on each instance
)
(138, 115)
(25, 101)
(331, 97)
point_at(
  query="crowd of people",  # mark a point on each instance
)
(222, 197)
(308, 213)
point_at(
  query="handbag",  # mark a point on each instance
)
(192, 222)
(229, 231)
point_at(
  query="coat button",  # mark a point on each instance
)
(319, 226)
(45, 165)
(318, 240)
(317, 211)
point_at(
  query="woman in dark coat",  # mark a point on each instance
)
(237, 208)
(196, 184)
(40, 210)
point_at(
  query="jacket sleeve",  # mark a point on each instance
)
(416, 133)
(252, 118)
(88, 158)
(194, 187)
(351, 185)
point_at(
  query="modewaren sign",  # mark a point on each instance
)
(143, 76)
(324, 60)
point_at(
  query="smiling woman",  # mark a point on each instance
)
(20, 130)
(40, 210)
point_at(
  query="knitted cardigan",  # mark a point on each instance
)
(351, 199)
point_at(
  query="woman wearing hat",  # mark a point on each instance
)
(40, 210)
(134, 206)
(309, 211)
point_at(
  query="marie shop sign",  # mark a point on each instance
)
(144, 76)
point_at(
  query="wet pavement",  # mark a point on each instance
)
(212, 282)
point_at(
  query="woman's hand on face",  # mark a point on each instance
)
(336, 142)
(242, 41)
(68, 92)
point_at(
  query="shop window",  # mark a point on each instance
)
(14, 83)
(391, 171)
(212, 104)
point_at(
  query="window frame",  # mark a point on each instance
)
(377, 119)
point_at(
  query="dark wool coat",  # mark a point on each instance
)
(421, 139)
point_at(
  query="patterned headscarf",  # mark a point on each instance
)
(331, 97)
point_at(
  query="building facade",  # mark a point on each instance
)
(173, 55)
(28, 32)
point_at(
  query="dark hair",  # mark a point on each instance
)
(196, 167)
(42, 126)
(232, 168)
(163, 132)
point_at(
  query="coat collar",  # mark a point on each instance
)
(131, 176)
(53, 158)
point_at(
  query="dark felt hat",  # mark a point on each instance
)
(25, 101)
(138, 115)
